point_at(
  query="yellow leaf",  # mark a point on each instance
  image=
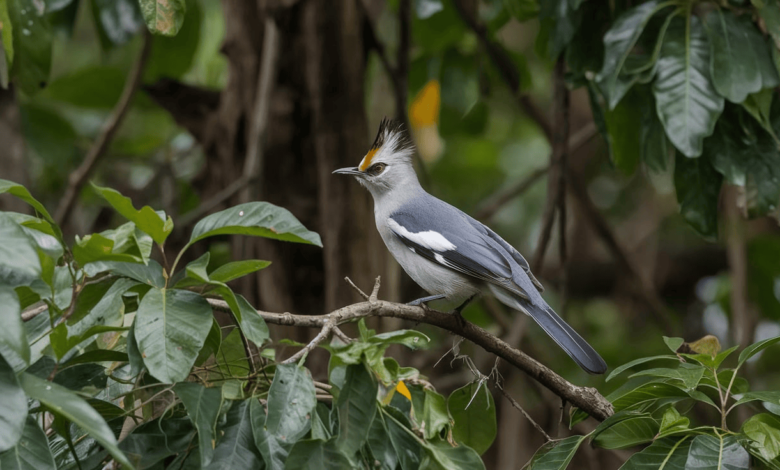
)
(401, 388)
(706, 345)
(425, 107)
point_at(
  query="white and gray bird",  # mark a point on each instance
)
(446, 252)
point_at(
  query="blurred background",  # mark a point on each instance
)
(261, 100)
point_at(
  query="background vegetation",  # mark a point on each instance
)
(629, 149)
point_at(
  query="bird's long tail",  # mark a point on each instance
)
(563, 334)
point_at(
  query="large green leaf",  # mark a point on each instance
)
(312, 454)
(13, 407)
(236, 269)
(639, 392)
(769, 11)
(172, 57)
(96, 247)
(170, 329)
(22, 193)
(664, 454)
(259, 219)
(291, 400)
(403, 440)
(717, 452)
(560, 20)
(619, 42)
(67, 404)
(556, 455)
(686, 101)
(381, 446)
(435, 414)
(13, 339)
(151, 274)
(356, 407)
(441, 455)
(636, 362)
(747, 156)
(756, 348)
(631, 430)
(772, 397)
(474, 412)
(236, 449)
(19, 262)
(155, 440)
(624, 126)
(741, 63)
(274, 449)
(146, 219)
(698, 187)
(163, 16)
(203, 406)
(654, 149)
(31, 452)
(764, 430)
(32, 44)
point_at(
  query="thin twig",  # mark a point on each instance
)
(78, 178)
(520, 408)
(587, 399)
(362, 294)
(321, 336)
(341, 335)
(500, 198)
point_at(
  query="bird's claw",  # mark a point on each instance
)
(421, 302)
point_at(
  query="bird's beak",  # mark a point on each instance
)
(348, 171)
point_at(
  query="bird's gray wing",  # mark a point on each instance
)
(442, 234)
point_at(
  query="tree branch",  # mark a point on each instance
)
(587, 399)
(742, 325)
(78, 178)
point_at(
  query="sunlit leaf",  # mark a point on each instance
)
(236, 269)
(764, 430)
(163, 16)
(721, 452)
(146, 219)
(663, 454)
(636, 362)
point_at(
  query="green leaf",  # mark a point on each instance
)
(22, 193)
(236, 269)
(163, 16)
(291, 401)
(155, 440)
(619, 43)
(314, 454)
(170, 329)
(19, 263)
(641, 360)
(435, 414)
(756, 348)
(251, 323)
(380, 445)
(13, 339)
(637, 393)
(32, 44)
(98, 355)
(13, 407)
(689, 376)
(769, 397)
(698, 188)
(654, 150)
(556, 455)
(441, 455)
(274, 449)
(31, 452)
(724, 453)
(236, 449)
(474, 412)
(561, 19)
(622, 431)
(624, 124)
(203, 406)
(41, 232)
(686, 101)
(259, 219)
(672, 422)
(663, 454)
(404, 441)
(67, 404)
(172, 57)
(740, 61)
(6, 35)
(356, 407)
(96, 247)
(146, 219)
(769, 11)
(151, 274)
(764, 430)
(759, 105)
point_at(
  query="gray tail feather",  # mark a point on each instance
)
(560, 331)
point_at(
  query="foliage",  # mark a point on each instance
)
(125, 343)
(657, 406)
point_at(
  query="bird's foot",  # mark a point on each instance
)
(421, 302)
(458, 312)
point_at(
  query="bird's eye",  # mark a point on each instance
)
(377, 169)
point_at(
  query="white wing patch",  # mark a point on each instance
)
(428, 239)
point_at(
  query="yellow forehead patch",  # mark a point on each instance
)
(367, 160)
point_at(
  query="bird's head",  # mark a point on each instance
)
(388, 163)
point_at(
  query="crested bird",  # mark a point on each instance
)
(449, 254)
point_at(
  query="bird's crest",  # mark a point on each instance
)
(391, 139)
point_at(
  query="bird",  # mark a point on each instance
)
(452, 256)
